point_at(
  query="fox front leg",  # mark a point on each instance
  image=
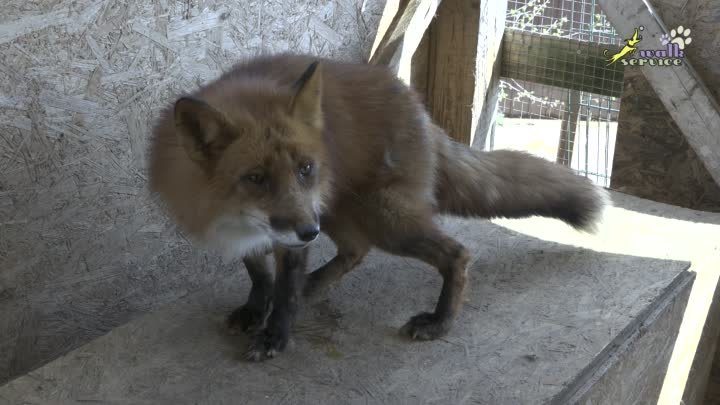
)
(253, 316)
(290, 273)
(352, 246)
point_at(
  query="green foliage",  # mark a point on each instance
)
(602, 24)
(522, 94)
(523, 18)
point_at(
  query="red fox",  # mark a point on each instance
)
(282, 147)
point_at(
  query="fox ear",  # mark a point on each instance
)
(202, 130)
(306, 102)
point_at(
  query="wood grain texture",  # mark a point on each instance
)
(82, 247)
(636, 371)
(452, 57)
(398, 43)
(488, 66)
(712, 394)
(703, 383)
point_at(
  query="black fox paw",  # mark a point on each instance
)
(425, 326)
(249, 318)
(267, 344)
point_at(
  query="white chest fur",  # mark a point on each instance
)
(236, 237)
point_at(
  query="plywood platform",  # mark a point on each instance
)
(543, 323)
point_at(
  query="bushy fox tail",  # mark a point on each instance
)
(511, 184)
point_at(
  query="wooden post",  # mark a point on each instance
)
(489, 64)
(568, 129)
(457, 63)
(460, 66)
(452, 67)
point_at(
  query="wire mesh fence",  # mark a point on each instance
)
(559, 99)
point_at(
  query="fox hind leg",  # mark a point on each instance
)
(405, 228)
(450, 259)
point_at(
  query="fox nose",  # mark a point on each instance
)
(308, 233)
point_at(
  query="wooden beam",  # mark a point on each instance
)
(419, 65)
(458, 71)
(487, 79)
(401, 29)
(452, 66)
(560, 62)
(568, 129)
(388, 21)
(680, 88)
(460, 67)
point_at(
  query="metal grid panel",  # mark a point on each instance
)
(577, 19)
(556, 100)
(561, 62)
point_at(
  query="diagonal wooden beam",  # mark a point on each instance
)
(544, 56)
(680, 88)
(392, 13)
(402, 26)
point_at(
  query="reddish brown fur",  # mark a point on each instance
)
(381, 167)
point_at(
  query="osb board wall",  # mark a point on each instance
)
(82, 248)
(652, 158)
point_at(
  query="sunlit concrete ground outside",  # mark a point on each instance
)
(592, 150)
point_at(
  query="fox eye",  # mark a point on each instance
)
(256, 178)
(306, 169)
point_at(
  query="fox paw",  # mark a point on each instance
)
(249, 318)
(425, 326)
(267, 344)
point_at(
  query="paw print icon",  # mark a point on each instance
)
(679, 36)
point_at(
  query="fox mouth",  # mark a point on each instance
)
(290, 240)
(298, 245)
(296, 237)
(286, 234)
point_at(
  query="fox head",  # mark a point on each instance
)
(267, 169)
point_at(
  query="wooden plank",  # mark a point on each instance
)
(388, 22)
(680, 88)
(395, 45)
(419, 66)
(560, 62)
(452, 67)
(488, 64)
